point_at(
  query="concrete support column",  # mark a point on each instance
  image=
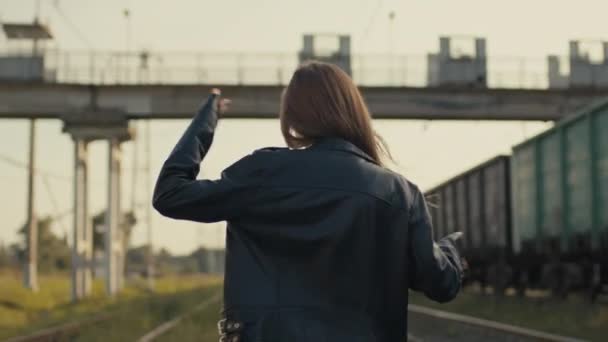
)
(120, 233)
(82, 247)
(30, 272)
(444, 48)
(89, 125)
(308, 47)
(573, 49)
(113, 244)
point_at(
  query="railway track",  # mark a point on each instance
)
(430, 325)
(77, 330)
(172, 323)
(425, 325)
(62, 332)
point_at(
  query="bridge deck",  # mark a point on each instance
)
(52, 100)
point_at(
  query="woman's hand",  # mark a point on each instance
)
(454, 237)
(222, 104)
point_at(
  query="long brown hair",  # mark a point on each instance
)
(322, 101)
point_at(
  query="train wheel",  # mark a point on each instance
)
(521, 283)
(552, 278)
(499, 275)
(596, 283)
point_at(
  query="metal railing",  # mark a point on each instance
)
(103, 67)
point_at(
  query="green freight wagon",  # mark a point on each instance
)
(560, 203)
(476, 202)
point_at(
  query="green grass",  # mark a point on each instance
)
(136, 309)
(200, 327)
(574, 316)
(137, 317)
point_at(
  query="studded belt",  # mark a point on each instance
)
(230, 330)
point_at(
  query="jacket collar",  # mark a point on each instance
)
(339, 144)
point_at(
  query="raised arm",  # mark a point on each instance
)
(435, 267)
(178, 194)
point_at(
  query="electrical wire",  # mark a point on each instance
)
(58, 217)
(22, 165)
(13, 162)
(426, 125)
(372, 18)
(72, 26)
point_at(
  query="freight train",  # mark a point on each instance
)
(537, 218)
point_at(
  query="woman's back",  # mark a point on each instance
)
(322, 242)
(323, 232)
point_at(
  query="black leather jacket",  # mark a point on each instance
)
(322, 243)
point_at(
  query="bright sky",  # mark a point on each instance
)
(427, 152)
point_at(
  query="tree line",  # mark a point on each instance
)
(54, 253)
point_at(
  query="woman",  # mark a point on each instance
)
(323, 241)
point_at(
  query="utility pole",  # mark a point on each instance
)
(150, 255)
(31, 270)
(113, 242)
(30, 274)
(127, 14)
(134, 173)
(37, 11)
(33, 32)
(391, 18)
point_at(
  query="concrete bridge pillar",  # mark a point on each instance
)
(113, 239)
(86, 126)
(82, 249)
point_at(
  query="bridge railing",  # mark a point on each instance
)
(103, 67)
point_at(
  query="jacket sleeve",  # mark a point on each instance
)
(435, 267)
(178, 194)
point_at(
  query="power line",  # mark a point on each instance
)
(12, 162)
(37, 9)
(22, 165)
(58, 216)
(61, 215)
(49, 175)
(72, 26)
(372, 18)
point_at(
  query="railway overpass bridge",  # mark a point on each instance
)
(155, 85)
(97, 98)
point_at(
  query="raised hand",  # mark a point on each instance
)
(222, 104)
